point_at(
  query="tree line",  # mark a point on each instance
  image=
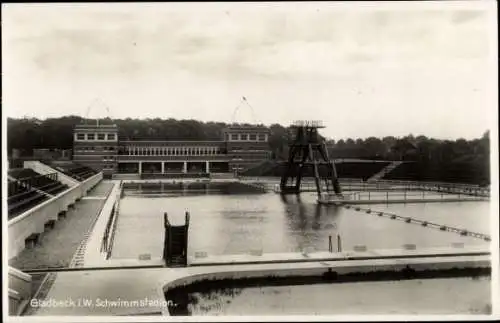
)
(27, 134)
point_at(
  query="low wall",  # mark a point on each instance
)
(126, 176)
(90, 182)
(33, 220)
(15, 302)
(19, 290)
(20, 282)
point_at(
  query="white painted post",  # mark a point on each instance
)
(207, 167)
(162, 167)
(140, 167)
(184, 167)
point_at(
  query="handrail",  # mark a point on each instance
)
(108, 238)
(408, 196)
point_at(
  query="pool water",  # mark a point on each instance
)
(222, 223)
(423, 296)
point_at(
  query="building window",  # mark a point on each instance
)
(80, 136)
(244, 136)
(90, 136)
(253, 137)
(262, 137)
(234, 136)
(111, 136)
(101, 136)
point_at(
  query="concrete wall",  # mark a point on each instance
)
(43, 169)
(19, 290)
(33, 220)
(20, 282)
(15, 301)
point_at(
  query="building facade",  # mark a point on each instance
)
(241, 147)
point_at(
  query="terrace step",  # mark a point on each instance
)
(384, 171)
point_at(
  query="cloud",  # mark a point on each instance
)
(163, 57)
(466, 16)
(241, 43)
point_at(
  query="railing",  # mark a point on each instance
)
(441, 187)
(109, 231)
(403, 196)
(409, 195)
(352, 185)
(37, 181)
(174, 175)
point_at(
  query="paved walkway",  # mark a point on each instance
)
(93, 255)
(58, 245)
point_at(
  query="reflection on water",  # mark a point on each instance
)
(224, 223)
(419, 296)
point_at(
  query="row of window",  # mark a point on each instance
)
(95, 136)
(172, 151)
(246, 137)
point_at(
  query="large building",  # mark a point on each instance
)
(99, 147)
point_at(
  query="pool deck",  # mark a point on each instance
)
(93, 255)
(71, 289)
(94, 292)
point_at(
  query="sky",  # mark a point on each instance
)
(364, 69)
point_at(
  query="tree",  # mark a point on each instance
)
(375, 147)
